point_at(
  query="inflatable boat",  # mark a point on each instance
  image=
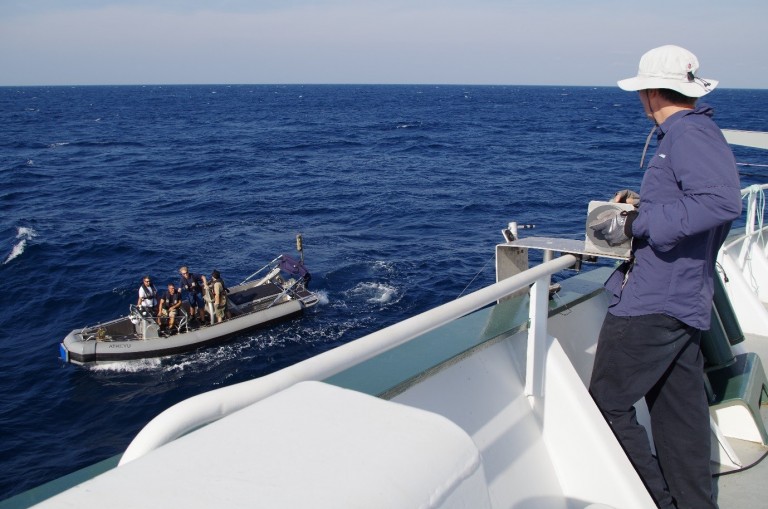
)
(279, 294)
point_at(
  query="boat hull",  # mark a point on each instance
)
(81, 351)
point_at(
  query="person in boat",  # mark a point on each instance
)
(191, 285)
(216, 293)
(148, 297)
(661, 299)
(170, 304)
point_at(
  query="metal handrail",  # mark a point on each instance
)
(754, 218)
(755, 196)
(287, 290)
(208, 407)
(269, 265)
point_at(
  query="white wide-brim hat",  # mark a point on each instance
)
(670, 67)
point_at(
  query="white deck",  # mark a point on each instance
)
(526, 450)
(746, 488)
(313, 445)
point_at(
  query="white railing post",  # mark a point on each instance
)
(751, 213)
(538, 312)
(755, 199)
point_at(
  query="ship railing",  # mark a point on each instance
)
(270, 265)
(741, 246)
(743, 262)
(203, 409)
(145, 323)
(291, 290)
(755, 197)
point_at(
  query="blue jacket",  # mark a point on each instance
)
(689, 196)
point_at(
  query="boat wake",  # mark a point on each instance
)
(133, 366)
(322, 296)
(23, 235)
(375, 293)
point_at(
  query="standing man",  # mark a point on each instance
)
(219, 297)
(216, 296)
(661, 299)
(191, 285)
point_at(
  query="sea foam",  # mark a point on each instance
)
(23, 234)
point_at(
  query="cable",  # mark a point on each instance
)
(478, 273)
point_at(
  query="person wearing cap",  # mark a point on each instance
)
(661, 299)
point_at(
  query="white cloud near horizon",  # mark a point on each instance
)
(481, 42)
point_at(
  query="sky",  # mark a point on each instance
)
(504, 42)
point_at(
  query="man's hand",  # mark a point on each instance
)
(626, 196)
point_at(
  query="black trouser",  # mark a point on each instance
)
(657, 357)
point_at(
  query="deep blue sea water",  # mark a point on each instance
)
(400, 193)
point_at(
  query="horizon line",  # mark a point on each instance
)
(289, 84)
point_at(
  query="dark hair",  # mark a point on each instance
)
(215, 274)
(676, 97)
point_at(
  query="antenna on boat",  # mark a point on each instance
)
(300, 246)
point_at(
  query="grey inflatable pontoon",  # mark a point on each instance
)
(278, 295)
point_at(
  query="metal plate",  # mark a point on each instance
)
(560, 245)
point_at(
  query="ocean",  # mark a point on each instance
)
(399, 192)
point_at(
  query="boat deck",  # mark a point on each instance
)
(744, 488)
